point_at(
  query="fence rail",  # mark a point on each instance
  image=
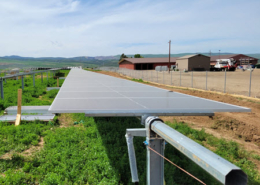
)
(238, 82)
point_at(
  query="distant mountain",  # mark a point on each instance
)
(80, 58)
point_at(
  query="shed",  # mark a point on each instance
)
(197, 62)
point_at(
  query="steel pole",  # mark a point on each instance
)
(206, 80)
(22, 83)
(180, 77)
(163, 77)
(155, 163)
(192, 79)
(33, 80)
(171, 77)
(225, 81)
(2, 88)
(249, 92)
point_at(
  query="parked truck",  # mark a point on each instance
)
(225, 64)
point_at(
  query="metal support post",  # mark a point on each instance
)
(249, 92)
(225, 81)
(180, 77)
(33, 80)
(206, 80)
(22, 83)
(130, 133)
(155, 163)
(42, 77)
(171, 77)
(192, 79)
(2, 88)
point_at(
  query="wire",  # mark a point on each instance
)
(176, 166)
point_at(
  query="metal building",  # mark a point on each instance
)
(195, 62)
(240, 58)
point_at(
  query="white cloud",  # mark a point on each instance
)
(90, 28)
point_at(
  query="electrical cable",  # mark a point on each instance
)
(176, 166)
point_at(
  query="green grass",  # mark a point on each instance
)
(20, 138)
(31, 95)
(139, 80)
(95, 152)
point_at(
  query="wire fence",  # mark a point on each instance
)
(238, 82)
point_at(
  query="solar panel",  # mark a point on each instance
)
(101, 95)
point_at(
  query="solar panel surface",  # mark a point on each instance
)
(101, 95)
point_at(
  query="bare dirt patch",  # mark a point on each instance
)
(33, 149)
(65, 120)
(27, 152)
(242, 127)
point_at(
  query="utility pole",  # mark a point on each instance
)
(169, 55)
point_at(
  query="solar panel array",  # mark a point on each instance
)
(101, 95)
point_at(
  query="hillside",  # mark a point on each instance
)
(14, 61)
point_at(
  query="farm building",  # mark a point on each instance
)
(240, 58)
(189, 62)
(145, 63)
(196, 62)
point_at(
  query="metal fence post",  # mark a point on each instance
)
(33, 80)
(180, 77)
(249, 92)
(163, 77)
(225, 81)
(22, 83)
(2, 88)
(206, 80)
(171, 77)
(191, 79)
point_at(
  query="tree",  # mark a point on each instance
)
(138, 56)
(122, 56)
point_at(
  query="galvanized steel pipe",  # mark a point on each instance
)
(224, 171)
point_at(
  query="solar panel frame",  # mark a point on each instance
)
(101, 95)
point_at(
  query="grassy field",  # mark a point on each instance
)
(85, 150)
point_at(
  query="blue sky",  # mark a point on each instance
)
(70, 28)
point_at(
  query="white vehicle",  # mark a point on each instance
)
(225, 64)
